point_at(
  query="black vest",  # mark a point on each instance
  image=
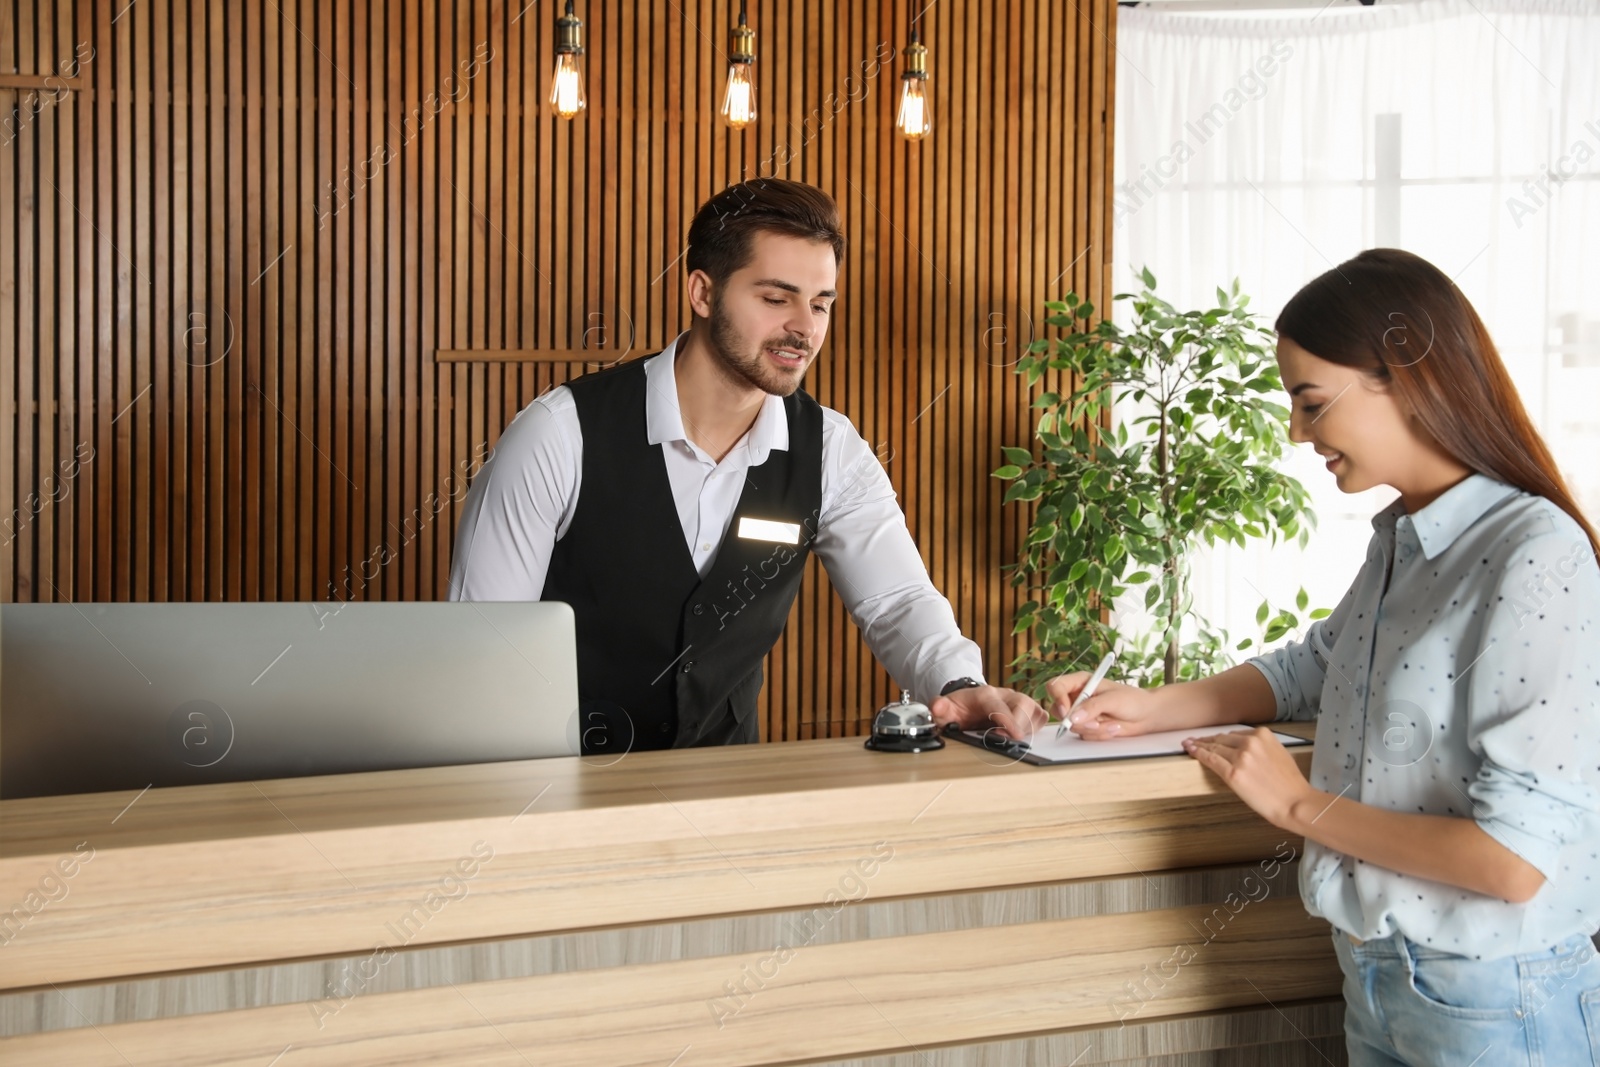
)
(666, 660)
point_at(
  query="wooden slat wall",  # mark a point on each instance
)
(234, 233)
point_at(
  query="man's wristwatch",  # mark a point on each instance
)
(959, 683)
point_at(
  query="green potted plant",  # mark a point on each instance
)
(1121, 511)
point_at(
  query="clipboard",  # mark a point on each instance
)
(1046, 751)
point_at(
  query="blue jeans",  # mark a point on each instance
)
(1407, 1005)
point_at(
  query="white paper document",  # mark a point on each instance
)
(1071, 748)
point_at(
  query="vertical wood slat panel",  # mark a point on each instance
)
(226, 262)
(44, 328)
(107, 288)
(22, 284)
(10, 117)
(250, 112)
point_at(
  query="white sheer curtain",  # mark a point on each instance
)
(1272, 148)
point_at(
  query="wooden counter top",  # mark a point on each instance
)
(223, 875)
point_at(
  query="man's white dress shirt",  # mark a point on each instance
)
(523, 500)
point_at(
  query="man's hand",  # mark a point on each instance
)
(981, 707)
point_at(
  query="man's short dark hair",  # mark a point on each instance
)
(719, 237)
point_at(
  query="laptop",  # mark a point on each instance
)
(97, 697)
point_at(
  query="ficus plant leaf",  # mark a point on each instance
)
(1122, 512)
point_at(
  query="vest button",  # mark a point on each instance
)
(699, 609)
(688, 665)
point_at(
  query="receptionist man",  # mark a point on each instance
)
(672, 501)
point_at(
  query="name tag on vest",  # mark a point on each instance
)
(787, 533)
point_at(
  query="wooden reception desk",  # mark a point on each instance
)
(768, 904)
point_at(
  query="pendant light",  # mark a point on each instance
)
(739, 102)
(915, 118)
(566, 86)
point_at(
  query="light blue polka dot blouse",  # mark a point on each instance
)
(1465, 683)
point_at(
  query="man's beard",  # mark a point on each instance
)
(729, 351)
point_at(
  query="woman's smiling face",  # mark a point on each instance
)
(1352, 420)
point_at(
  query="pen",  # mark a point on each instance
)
(1087, 691)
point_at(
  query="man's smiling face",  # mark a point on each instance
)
(769, 318)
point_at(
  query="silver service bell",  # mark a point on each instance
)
(904, 727)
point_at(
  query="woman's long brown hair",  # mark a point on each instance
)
(1400, 319)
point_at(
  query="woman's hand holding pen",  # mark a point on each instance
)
(1115, 710)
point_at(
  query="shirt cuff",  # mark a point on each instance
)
(1534, 815)
(1535, 850)
(1279, 693)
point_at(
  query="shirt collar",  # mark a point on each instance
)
(664, 418)
(1437, 526)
